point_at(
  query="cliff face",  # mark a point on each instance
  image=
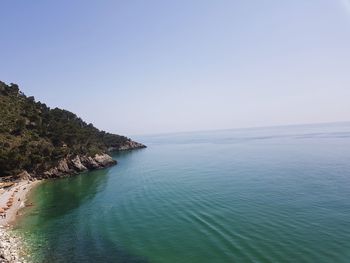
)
(128, 145)
(75, 164)
(50, 142)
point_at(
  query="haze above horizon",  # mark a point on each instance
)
(141, 67)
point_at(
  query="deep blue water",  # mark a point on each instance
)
(278, 194)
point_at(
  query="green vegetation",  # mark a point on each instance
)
(34, 137)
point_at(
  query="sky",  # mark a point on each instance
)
(142, 67)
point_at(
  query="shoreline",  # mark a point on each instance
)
(18, 193)
(14, 193)
(11, 246)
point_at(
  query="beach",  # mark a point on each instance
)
(12, 199)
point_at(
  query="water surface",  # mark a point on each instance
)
(252, 195)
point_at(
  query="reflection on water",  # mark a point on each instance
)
(71, 192)
(54, 204)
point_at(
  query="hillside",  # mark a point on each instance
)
(35, 138)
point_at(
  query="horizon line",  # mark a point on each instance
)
(244, 128)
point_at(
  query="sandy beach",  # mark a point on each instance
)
(12, 199)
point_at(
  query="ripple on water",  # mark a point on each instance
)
(230, 196)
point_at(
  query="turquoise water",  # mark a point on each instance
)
(253, 195)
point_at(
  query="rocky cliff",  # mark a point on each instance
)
(128, 145)
(75, 164)
(68, 166)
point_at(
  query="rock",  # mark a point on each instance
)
(24, 176)
(77, 164)
(104, 160)
(72, 165)
(63, 166)
(53, 172)
(89, 162)
(128, 145)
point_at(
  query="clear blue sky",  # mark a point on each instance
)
(135, 67)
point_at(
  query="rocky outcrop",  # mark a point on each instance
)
(24, 175)
(63, 166)
(71, 165)
(90, 163)
(104, 160)
(75, 164)
(128, 145)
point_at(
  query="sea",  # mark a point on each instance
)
(276, 194)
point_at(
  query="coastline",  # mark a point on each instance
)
(11, 246)
(14, 191)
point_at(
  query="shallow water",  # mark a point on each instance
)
(252, 195)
